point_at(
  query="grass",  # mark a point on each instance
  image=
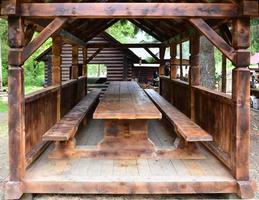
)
(3, 106)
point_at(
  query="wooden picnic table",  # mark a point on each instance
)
(126, 109)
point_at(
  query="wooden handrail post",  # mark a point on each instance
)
(162, 61)
(194, 72)
(16, 103)
(173, 52)
(56, 69)
(74, 71)
(84, 68)
(241, 107)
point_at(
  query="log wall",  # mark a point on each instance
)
(213, 111)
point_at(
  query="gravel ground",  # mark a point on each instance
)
(254, 171)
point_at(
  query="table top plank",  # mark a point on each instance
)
(126, 100)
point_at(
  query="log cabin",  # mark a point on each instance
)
(186, 139)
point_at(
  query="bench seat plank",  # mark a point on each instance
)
(183, 125)
(68, 125)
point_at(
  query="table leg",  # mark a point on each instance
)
(126, 137)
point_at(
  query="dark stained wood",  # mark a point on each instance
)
(241, 109)
(94, 55)
(130, 10)
(224, 74)
(152, 54)
(42, 37)
(74, 67)
(29, 32)
(71, 39)
(126, 100)
(119, 45)
(176, 92)
(218, 41)
(40, 115)
(217, 107)
(162, 61)
(186, 128)
(67, 127)
(16, 120)
(194, 72)
(173, 53)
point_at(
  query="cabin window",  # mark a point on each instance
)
(96, 70)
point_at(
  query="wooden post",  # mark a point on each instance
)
(241, 107)
(173, 52)
(84, 68)
(194, 73)
(181, 61)
(162, 61)
(74, 71)
(224, 74)
(56, 69)
(16, 120)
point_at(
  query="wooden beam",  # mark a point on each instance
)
(94, 55)
(16, 114)
(214, 38)
(10, 7)
(74, 70)
(120, 45)
(71, 39)
(29, 32)
(162, 61)
(130, 10)
(173, 64)
(151, 53)
(45, 34)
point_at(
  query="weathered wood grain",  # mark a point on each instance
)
(130, 10)
(187, 129)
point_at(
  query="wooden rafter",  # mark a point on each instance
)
(119, 45)
(214, 38)
(152, 54)
(130, 10)
(71, 39)
(94, 55)
(45, 34)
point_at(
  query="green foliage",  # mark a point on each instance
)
(3, 106)
(95, 70)
(255, 35)
(4, 50)
(34, 71)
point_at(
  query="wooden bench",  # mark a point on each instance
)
(67, 127)
(184, 126)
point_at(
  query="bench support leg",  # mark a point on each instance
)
(64, 149)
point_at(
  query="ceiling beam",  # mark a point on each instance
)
(130, 10)
(119, 45)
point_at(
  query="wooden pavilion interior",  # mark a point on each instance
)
(184, 139)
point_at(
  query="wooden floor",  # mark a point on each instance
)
(84, 170)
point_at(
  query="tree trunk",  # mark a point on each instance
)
(224, 74)
(207, 63)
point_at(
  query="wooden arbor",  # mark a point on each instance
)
(231, 145)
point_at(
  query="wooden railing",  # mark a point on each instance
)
(72, 92)
(40, 115)
(177, 93)
(213, 111)
(41, 111)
